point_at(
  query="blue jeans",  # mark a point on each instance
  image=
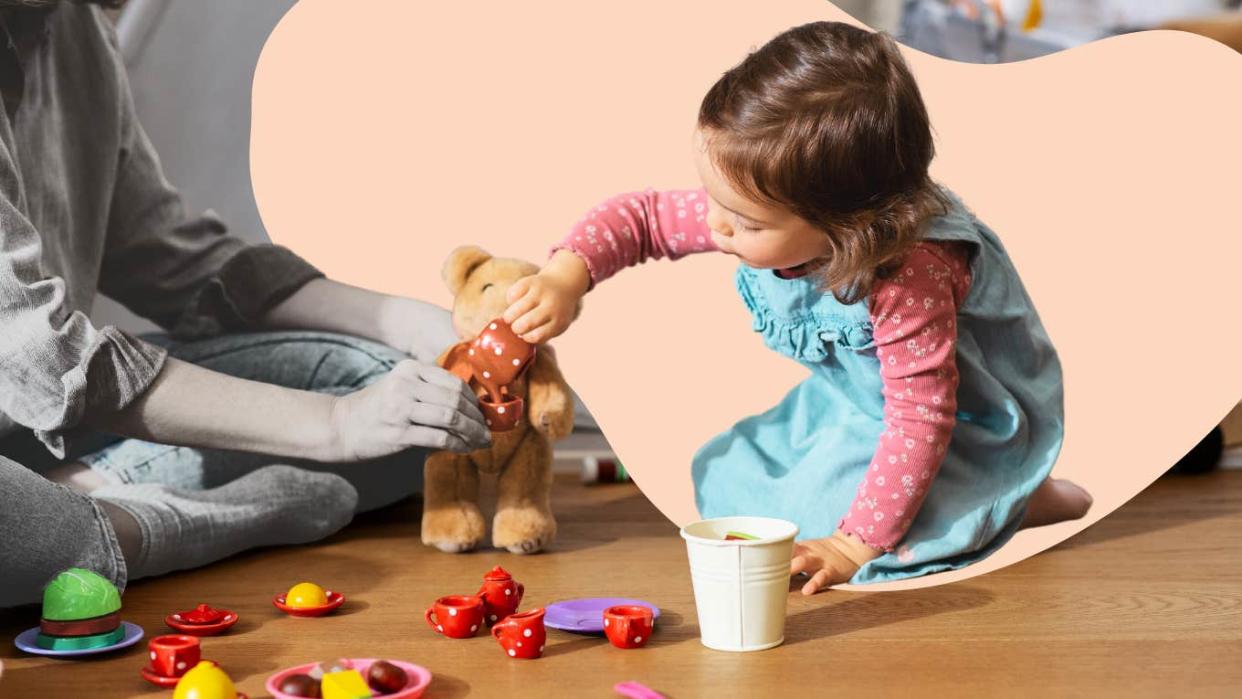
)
(46, 527)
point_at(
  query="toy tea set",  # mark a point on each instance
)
(739, 569)
(626, 623)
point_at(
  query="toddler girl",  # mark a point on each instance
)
(925, 435)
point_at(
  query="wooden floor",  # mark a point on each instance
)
(1146, 603)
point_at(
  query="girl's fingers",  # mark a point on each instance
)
(534, 318)
(514, 314)
(818, 581)
(539, 334)
(798, 564)
(518, 290)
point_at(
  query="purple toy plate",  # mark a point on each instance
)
(26, 641)
(587, 615)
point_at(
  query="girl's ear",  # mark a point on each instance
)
(461, 264)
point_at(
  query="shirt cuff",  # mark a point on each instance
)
(594, 273)
(116, 369)
(249, 285)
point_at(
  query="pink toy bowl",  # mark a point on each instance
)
(419, 678)
(335, 599)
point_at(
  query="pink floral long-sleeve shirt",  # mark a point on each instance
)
(913, 314)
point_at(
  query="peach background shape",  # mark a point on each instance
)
(382, 138)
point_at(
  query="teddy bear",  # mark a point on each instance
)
(521, 457)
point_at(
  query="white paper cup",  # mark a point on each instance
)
(740, 586)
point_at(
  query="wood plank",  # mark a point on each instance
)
(1145, 603)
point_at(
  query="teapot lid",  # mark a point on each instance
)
(497, 574)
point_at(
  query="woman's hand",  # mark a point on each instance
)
(543, 305)
(415, 405)
(830, 561)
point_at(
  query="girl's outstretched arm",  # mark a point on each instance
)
(626, 230)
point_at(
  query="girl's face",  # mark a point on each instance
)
(761, 235)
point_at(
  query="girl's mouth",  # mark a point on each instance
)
(798, 270)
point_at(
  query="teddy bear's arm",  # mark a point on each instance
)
(551, 403)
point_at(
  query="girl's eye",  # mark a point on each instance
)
(485, 288)
(745, 225)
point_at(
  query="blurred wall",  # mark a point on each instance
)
(191, 65)
(878, 14)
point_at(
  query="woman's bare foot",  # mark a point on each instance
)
(1056, 500)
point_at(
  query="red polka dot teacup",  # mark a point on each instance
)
(173, 654)
(628, 626)
(522, 635)
(456, 616)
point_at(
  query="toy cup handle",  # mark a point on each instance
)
(431, 611)
(498, 629)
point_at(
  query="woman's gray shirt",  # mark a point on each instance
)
(85, 209)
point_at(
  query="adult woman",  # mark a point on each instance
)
(85, 209)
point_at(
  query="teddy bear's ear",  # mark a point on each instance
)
(461, 264)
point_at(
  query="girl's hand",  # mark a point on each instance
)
(543, 305)
(415, 405)
(830, 561)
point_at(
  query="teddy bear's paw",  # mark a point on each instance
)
(453, 529)
(523, 530)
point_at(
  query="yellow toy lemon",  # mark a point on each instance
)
(305, 595)
(205, 681)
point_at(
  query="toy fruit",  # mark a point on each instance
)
(320, 669)
(346, 684)
(501, 594)
(305, 595)
(386, 678)
(206, 681)
(81, 610)
(308, 599)
(300, 686)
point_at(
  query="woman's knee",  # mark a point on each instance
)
(46, 529)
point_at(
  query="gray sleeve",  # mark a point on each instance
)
(56, 369)
(184, 273)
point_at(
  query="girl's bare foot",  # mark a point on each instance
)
(1056, 500)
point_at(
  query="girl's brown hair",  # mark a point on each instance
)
(827, 121)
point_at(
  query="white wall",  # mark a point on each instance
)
(878, 14)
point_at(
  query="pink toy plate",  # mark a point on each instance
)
(335, 599)
(419, 678)
(176, 622)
